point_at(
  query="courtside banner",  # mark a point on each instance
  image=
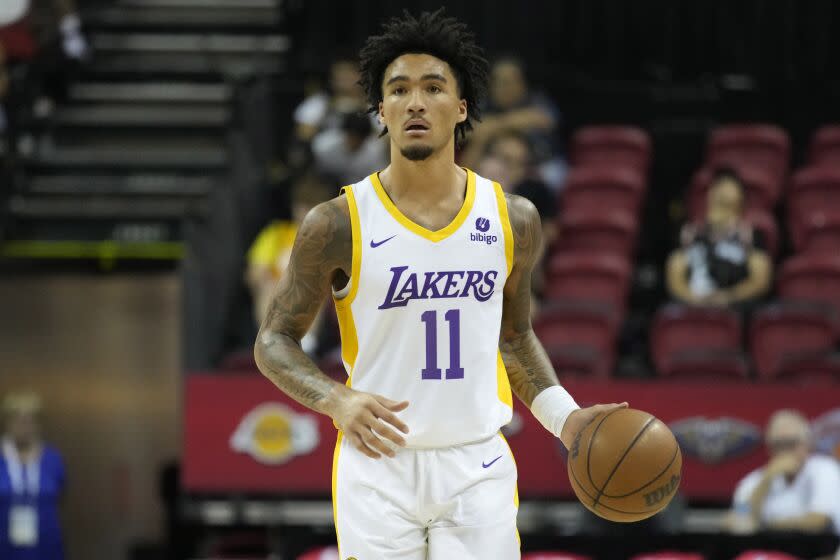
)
(243, 435)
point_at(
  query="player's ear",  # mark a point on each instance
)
(381, 113)
(462, 110)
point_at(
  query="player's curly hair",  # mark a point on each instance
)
(431, 33)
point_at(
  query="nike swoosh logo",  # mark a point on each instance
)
(375, 244)
(485, 465)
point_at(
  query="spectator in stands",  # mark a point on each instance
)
(796, 490)
(269, 254)
(31, 483)
(324, 109)
(4, 89)
(721, 261)
(350, 153)
(509, 160)
(514, 107)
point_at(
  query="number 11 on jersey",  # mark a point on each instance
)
(432, 371)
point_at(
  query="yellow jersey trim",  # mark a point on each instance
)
(515, 486)
(503, 215)
(502, 381)
(413, 227)
(334, 486)
(346, 323)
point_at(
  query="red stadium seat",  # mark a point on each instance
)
(578, 337)
(825, 146)
(757, 145)
(765, 555)
(669, 555)
(793, 339)
(588, 277)
(811, 277)
(603, 231)
(553, 556)
(611, 146)
(595, 189)
(812, 190)
(761, 189)
(818, 232)
(325, 553)
(697, 342)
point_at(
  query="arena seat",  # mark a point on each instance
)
(553, 556)
(601, 231)
(697, 342)
(811, 277)
(324, 553)
(598, 188)
(764, 146)
(764, 555)
(611, 146)
(793, 339)
(578, 337)
(812, 190)
(669, 555)
(818, 232)
(588, 277)
(762, 190)
(825, 146)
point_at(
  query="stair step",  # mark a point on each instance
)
(193, 158)
(190, 42)
(183, 17)
(156, 66)
(150, 92)
(127, 185)
(104, 207)
(141, 116)
(265, 4)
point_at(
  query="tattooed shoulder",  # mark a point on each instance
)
(527, 229)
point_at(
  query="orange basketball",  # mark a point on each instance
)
(625, 465)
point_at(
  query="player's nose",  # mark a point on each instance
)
(416, 103)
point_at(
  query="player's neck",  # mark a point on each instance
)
(433, 179)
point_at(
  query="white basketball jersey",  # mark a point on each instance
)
(421, 319)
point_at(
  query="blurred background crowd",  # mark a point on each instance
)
(157, 156)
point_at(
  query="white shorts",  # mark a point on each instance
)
(427, 504)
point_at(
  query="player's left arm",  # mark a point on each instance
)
(528, 367)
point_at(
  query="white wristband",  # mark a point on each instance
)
(552, 407)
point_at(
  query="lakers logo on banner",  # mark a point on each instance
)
(273, 434)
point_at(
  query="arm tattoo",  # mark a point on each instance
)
(527, 364)
(321, 253)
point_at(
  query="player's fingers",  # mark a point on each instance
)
(382, 429)
(376, 444)
(611, 406)
(394, 406)
(384, 414)
(360, 444)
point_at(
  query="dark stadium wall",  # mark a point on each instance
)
(103, 351)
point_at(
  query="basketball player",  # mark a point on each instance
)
(429, 267)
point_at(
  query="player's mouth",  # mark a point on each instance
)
(416, 128)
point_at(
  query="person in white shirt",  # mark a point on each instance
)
(796, 490)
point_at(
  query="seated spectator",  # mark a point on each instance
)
(269, 254)
(323, 109)
(4, 89)
(721, 261)
(513, 107)
(350, 153)
(31, 484)
(796, 490)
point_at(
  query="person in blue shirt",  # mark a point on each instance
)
(31, 484)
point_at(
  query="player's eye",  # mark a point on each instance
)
(399, 90)
(435, 89)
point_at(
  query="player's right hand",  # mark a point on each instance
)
(365, 419)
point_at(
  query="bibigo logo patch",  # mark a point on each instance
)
(272, 434)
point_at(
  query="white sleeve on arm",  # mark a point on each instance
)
(825, 488)
(744, 490)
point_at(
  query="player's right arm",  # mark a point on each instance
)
(321, 258)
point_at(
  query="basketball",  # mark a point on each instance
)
(625, 465)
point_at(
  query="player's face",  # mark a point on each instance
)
(420, 105)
